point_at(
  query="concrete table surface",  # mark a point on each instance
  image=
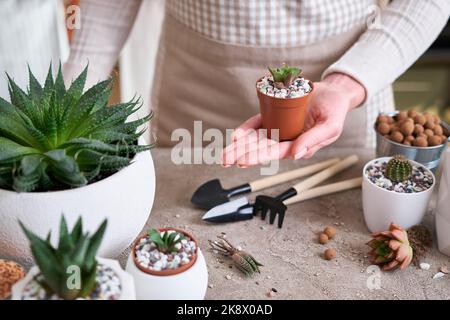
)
(292, 257)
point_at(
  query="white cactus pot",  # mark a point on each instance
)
(381, 206)
(124, 198)
(188, 285)
(126, 281)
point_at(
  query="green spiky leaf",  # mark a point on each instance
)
(53, 138)
(75, 248)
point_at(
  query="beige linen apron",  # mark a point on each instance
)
(201, 79)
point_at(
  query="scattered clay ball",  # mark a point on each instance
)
(407, 143)
(438, 130)
(390, 120)
(434, 140)
(429, 132)
(444, 138)
(10, 273)
(420, 119)
(323, 238)
(430, 123)
(396, 136)
(418, 129)
(329, 254)
(412, 113)
(330, 231)
(420, 142)
(407, 128)
(409, 138)
(383, 128)
(402, 115)
(382, 118)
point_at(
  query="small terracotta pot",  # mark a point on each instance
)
(287, 115)
(166, 272)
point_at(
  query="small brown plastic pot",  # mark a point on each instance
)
(285, 114)
(166, 272)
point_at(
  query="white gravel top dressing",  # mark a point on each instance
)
(108, 287)
(419, 181)
(149, 257)
(299, 88)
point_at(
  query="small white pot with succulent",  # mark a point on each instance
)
(72, 270)
(395, 190)
(167, 264)
(65, 150)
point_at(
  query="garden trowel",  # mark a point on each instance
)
(241, 209)
(211, 193)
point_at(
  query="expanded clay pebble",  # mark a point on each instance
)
(323, 238)
(407, 128)
(420, 142)
(329, 254)
(430, 123)
(420, 119)
(434, 140)
(396, 136)
(402, 115)
(384, 128)
(438, 130)
(418, 129)
(330, 231)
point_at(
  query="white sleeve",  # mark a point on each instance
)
(105, 26)
(403, 32)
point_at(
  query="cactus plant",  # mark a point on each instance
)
(165, 241)
(75, 248)
(283, 77)
(53, 138)
(398, 169)
(244, 261)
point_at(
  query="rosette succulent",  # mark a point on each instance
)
(391, 249)
(53, 138)
(283, 77)
(75, 249)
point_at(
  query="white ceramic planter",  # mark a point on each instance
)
(188, 285)
(443, 207)
(381, 207)
(126, 280)
(125, 198)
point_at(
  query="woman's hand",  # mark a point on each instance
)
(332, 99)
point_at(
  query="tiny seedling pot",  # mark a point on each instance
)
(126, 280)
(286, 115)
(188, 282)
(383, 207)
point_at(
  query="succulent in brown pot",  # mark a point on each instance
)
(283, 98)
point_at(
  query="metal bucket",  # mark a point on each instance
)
(428, 156)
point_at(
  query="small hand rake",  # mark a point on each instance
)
(277, 205)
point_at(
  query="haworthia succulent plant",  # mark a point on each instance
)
(53, 138)
(283, 77)
(75, 249)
